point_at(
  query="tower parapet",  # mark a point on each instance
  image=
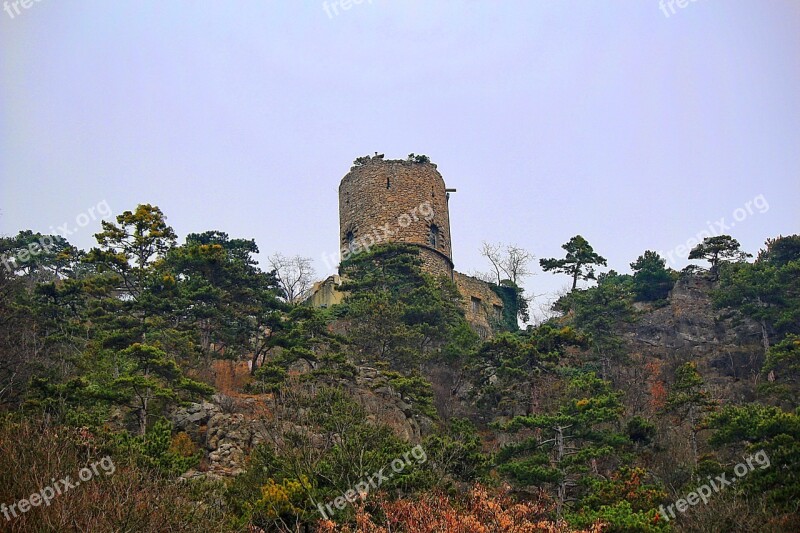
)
(406, 201)
(397, 201)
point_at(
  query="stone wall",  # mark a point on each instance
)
(433, 263)
(484, 309)
(326, 293)
(396, 201)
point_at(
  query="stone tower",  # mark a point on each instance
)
(396, 201)
(406, 201)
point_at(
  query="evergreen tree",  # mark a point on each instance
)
(753, 428)
(397, 312)
(782, 370)
(567, 444)
(599, 311)
(767, 290)
(718, 249)
(651, 279)
(131, 247)
(578, 263)
(148, 379)
(690, 401)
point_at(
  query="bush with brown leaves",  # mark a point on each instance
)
(479, 511)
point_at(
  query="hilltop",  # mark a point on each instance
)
(225, 404)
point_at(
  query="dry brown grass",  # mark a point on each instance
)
(131, 499)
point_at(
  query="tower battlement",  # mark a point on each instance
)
(406, 201)
(398, 201)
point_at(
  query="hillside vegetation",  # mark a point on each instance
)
(225, 404)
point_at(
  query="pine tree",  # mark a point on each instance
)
(690, 401)
(579, 261)
(567, 443)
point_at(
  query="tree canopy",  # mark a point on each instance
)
(579, 262)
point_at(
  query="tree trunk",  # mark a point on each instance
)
(254, 364)
(764, 335)
(693, 434)
(562, 485)
(205, 335)
(143, 417)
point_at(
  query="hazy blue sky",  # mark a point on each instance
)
(607, 119)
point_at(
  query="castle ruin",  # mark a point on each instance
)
(405, 201)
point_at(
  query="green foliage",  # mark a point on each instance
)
(39, 257)
(753, 428)
(147, 378)
(130, 248)
(782, 369)
(578, 263)
(512, 369)
(302, 336)
(506, 368)
(42, 333)
(97, 340)
(553, 340)
(641, 431)
(599, 311)
(287, 477)
(398, 313)
(455, 454)
(462, 343)
(781, 251)
(690, 401)
(688, 391)
(270, 377)
(418, 158)
(234, 306)
(416, 390)
(623, 501)
(625, 484)
(155, 450)
(363, 160)
(560, 446)
(767, 290)
(514, 304)
(281, 502)
(621, 518)
(511, 357)
(718, 249)
(651, 279)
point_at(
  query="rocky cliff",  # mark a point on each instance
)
(229, 426)
(727, 349)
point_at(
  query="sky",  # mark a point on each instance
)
(635, 124)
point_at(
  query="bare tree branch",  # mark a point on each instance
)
(509, 262)
(295, 276)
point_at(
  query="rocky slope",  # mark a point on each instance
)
(229, 426)
(727, 349)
